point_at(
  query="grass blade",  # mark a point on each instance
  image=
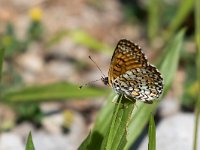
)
(98, 133)
(1, 60)
(184, 9)
(55, 91)
(152, 134)
(107, 142)
(83, 38)
(29, 143)
(197, 37)
(110, 132)
(117, 132)
(153, 18)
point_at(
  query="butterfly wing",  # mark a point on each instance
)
(127, 56)
(144, 84)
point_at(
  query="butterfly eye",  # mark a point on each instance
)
(105, 80)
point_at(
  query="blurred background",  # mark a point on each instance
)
(47, 44)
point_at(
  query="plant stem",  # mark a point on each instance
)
(197, 37)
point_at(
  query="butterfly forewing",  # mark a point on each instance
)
(131, 74)
(126, 56)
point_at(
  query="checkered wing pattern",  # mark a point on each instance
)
(131, 74)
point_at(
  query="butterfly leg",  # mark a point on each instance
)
(148, 102)
(130, 99)
(115, 99)
(124, 101)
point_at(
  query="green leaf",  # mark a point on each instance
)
(152, 134)
(84, 38)
(117, 132)
(197, 37)
(9, 41)
(112, 137)
(183, 11)
(1, 60)
(153, 18)
(96, 136)
(57, 37)
(81, 37)
(29, 143)
(55, 91)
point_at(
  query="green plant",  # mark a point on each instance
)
(29, 143)
(197, 38)
(152, 134)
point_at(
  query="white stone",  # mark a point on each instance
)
(53, 123)
(59, 141)
(10, 141)
(169, 106)
(174, 133)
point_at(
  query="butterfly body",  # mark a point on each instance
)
(131, 74)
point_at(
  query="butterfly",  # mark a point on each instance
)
(131, 75)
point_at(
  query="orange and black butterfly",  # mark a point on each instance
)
(131, 74)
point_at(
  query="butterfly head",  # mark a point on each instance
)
(104, 80)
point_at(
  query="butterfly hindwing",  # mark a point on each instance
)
(144, 84)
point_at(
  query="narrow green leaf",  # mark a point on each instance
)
(153, 18)
(112, 137)
(197, 37)
(183, 11)
(98, 133)
(1, 60)
(29, 143)
(116, 134)
(55, 91)
(57, 37)
(152, 134)
(80, 37)
(168, 70)
(108, 140)
(84, 38)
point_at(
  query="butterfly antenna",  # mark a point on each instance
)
(97, 66)
(86, 84)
